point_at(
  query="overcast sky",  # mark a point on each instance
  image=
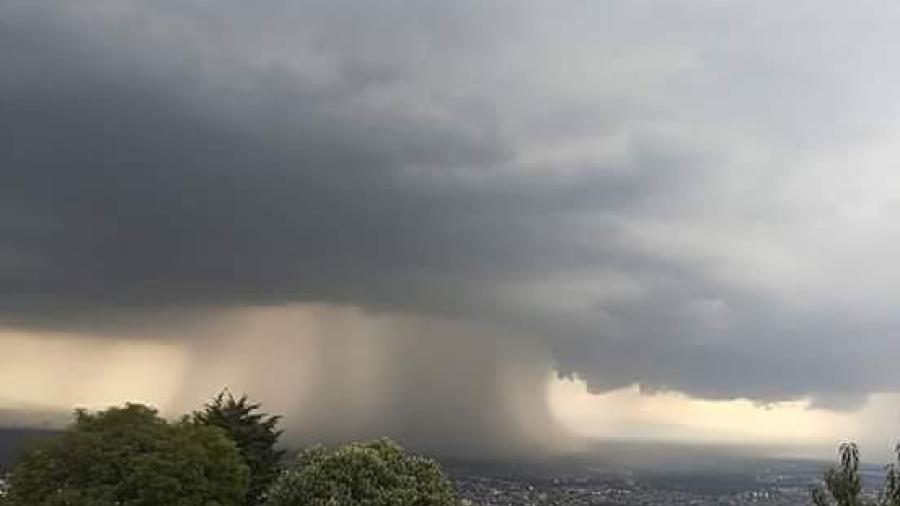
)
(694, 201)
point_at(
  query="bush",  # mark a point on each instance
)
(377, 473)
(130, 456)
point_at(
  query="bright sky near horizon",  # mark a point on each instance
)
(43, 377)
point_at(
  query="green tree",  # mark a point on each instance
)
(130, 456)
(377, 473)
(890, 495)
(255, 434)
(844, 485)
(842, 482)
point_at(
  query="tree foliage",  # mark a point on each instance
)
(890, 495)
(129, 456)
(377, 473)
(255, 434)
(842, 482)
(844, 485)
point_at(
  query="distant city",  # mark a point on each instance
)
(776, 483)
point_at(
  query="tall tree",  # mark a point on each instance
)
(255, 434)
(844, 485)
(890, 495)
(842, 482)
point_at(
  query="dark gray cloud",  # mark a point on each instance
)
(653, 189)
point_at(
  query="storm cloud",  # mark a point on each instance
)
(694, 196)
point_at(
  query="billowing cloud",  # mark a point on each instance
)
(696, 197)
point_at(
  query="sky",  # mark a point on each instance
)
(482, 227)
